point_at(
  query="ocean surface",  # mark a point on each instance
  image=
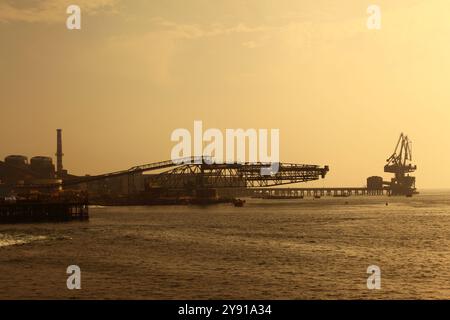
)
(268, 249)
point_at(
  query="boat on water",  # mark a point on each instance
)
(238, 202)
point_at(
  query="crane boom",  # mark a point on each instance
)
(399, 163)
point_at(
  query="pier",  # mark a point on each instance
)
(54, 210)
(293, 193)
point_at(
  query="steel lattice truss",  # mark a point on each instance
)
(202, 172)
(236, 175)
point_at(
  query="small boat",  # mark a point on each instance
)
(238, 202)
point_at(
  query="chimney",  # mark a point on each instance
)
(59, 154)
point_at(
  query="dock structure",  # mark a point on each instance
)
(315, 192)
(28, 211)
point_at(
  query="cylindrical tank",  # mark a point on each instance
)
(17, 160)
(374, 183)
(43, 166)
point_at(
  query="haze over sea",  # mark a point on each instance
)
(268, 249)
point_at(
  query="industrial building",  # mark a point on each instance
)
(19, 170)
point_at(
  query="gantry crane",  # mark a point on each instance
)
(399, 163)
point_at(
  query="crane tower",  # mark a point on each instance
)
(399, 163)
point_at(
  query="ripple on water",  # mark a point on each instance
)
(7, 240)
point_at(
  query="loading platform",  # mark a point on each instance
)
(278, 193)
(31, 210)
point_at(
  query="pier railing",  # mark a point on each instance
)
(322, 192)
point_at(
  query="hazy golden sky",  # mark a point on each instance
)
(339, 93)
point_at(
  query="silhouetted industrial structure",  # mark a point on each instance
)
(59, 155)
(399, 163)
(199, 173)
(196, 177)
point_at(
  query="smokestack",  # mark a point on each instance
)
(59, 154)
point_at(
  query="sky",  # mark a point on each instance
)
(339, 93)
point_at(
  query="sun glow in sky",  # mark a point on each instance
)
(137, 70)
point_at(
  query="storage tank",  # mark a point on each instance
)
(43, 166)
(374, 183)
(17, 160)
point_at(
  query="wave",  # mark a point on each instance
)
(7, 240)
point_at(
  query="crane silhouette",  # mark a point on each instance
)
(399, 163)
